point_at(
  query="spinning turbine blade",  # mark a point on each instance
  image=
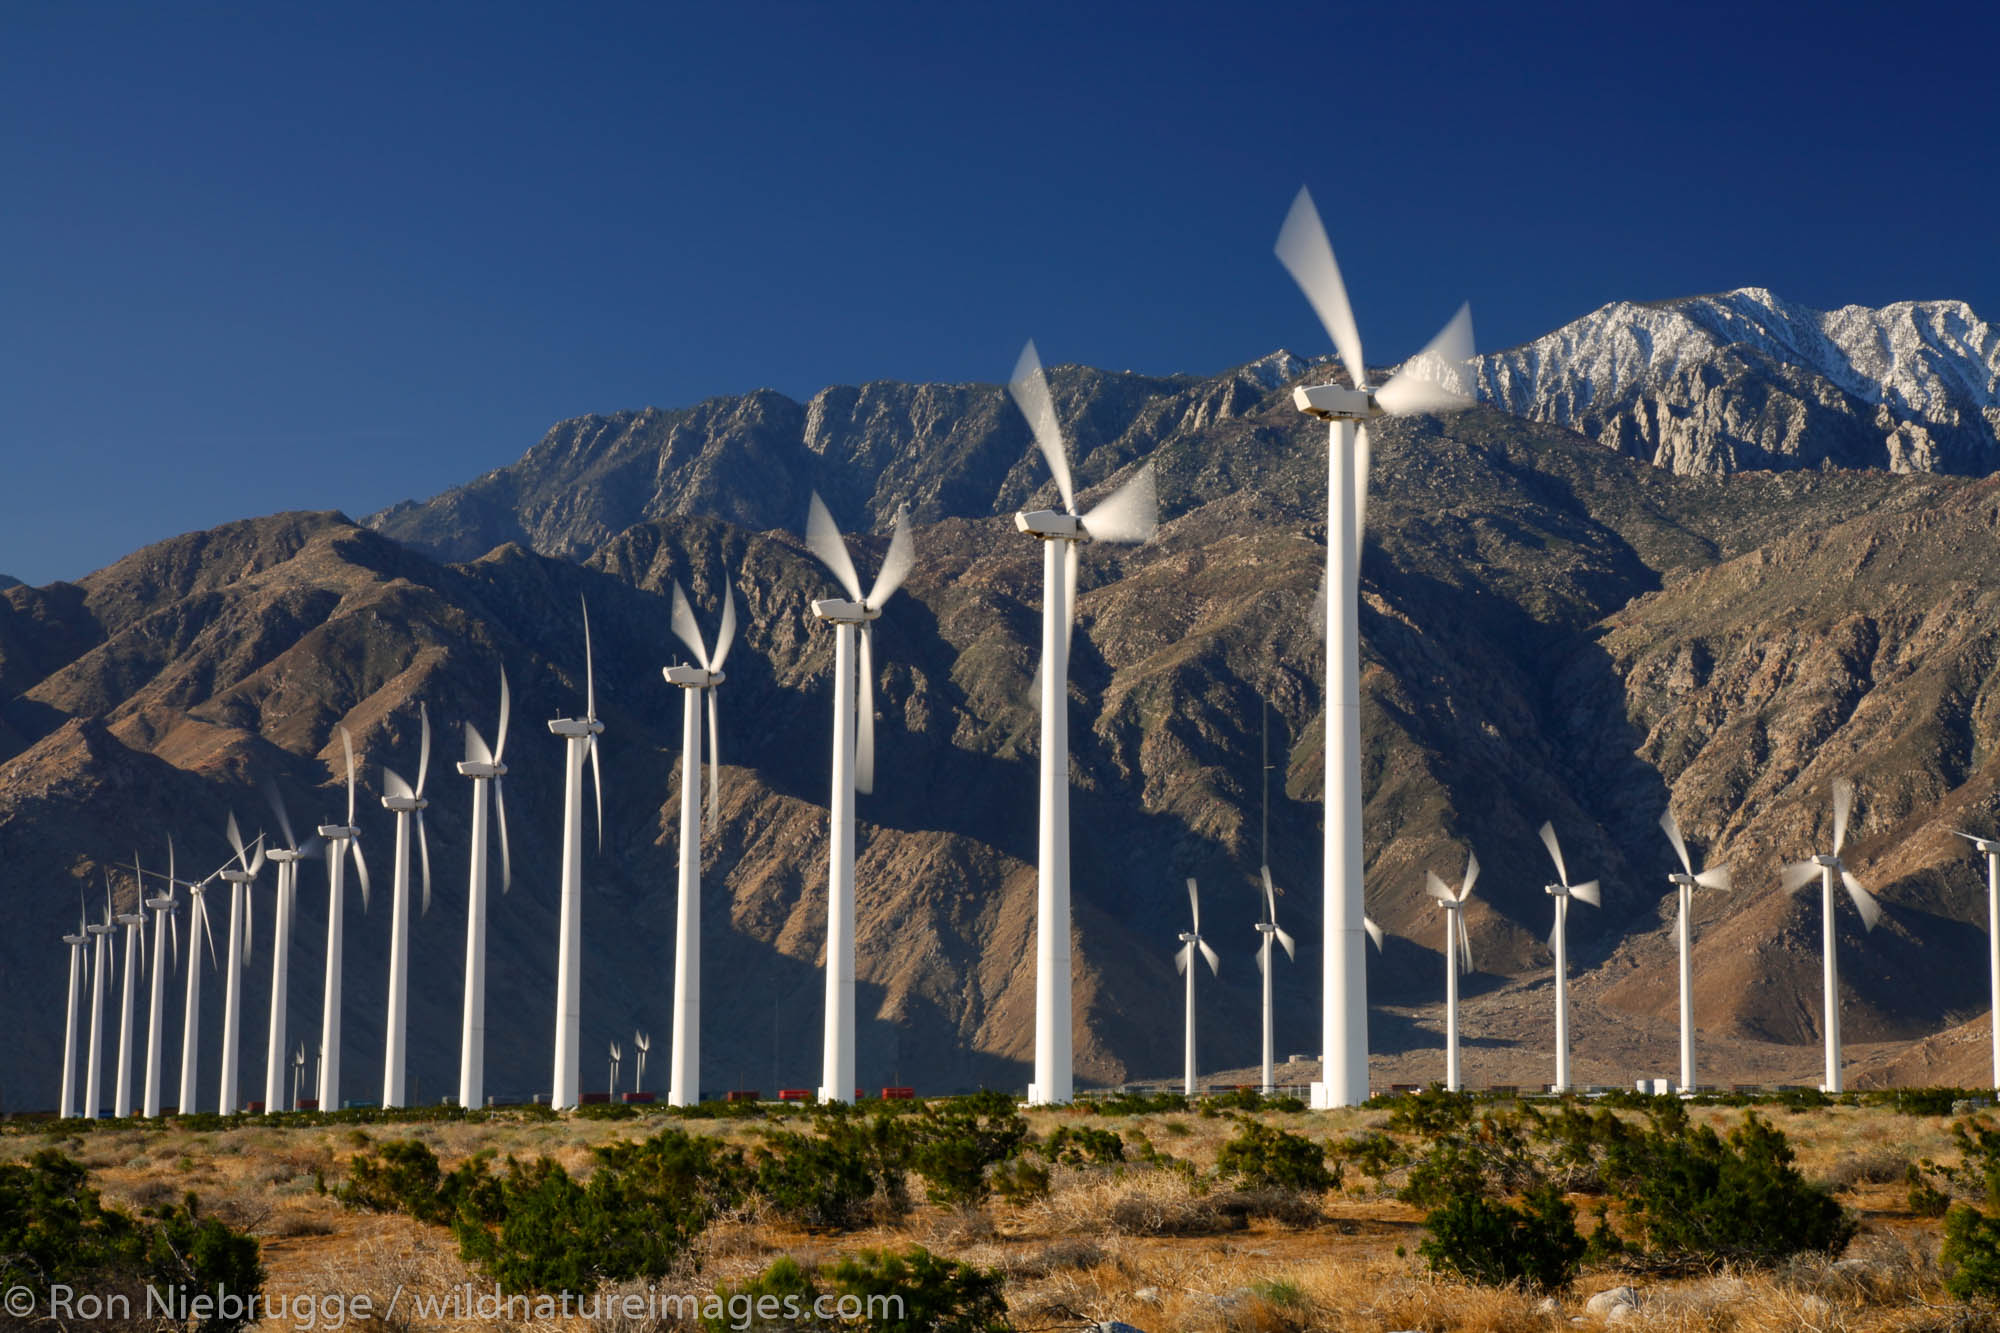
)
(1798, 874)
(685, 629)
(1437, 888)
(1374, 931)
(1548, 836)
(1471, 876)
(1194, 906)
(347, 747)
(506, 710)
(1308, 256)
(1843, 803)
(424, 747)
(1030, 388)
(207, 931)
(864, 715)
(714, 762)
(1864, 901)
(393, 784)
(475, 746)
(1464, 942)
(1437, 379)
(1214, 963)
(235, 836)
(360, 869)
(1359, 463)
(823, 539)
(277, 803)
(1129, 514)
(896, 563)
(424, 854)
(1291, 950)
(597, 787)
(1270, 896)
(500, 815)
(1585, 892)
(725, 634)
(1181, 957)
(1069, 601)
(590, 666)
(1715, 877)
(1673, 831)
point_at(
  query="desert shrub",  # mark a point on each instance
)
(1429, 1113)
(1018, 1180)
(1925, 1198)
(1576, 1140)
(877, 1291)
(1262, 1157)
(1448, 1171)
(1140, 1103)
(1535, 1246)
(955, 1143)
(1699, 1199)
(1080, 1145)
(1373, 1154)
(1970, 1259)
(817, 1180)
(406, 1178)
(1879, 1165)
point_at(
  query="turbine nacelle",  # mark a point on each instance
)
(474, 768)
(241, 876)
(162, 903)
(1984, 846)
(1685, 880)
(400, 804)
(841, 611)
(1830, 862)
(130, 918)
(1332, 402)
(283, 855)
(338, 832)
(567, 727)
(76, 939)
(1050, 525)
(687, 677)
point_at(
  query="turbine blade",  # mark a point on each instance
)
(1586, 892)
(1069, 602)
(589, 663)
(1715, 877)
(1471, 876)
(424, 747)
(685, 629)
(347, 747)
(1194, 904)
(1843, 805)
(207, 931)
(823, 539)
(393, 784)
(1270, 896)
(249, 923)
(360, 869)
(864, 715)
(1291, 946)
(1359, 463)
(1798, 874)
(725, 635)
(1030, 388)
(1548, 835)
(314, 849)
(500, 817)
(1864, 901)
(1673, 832)
(257, 861)
(896, 562)
(1308, 256)
(597, 784)
(1214, 963)
(1320, 610)
(1129, 514)
(277, 803)
(1263, 963)
(1374, 931)
(1437, 379)
(424, 857)
(475, 746)
(235, 836)
(1464, 942)
(714, 762)
(1437, 888)
(506, 711)
(1181, 958)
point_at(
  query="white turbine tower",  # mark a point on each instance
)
(92, 1108)
(684, 1062)
(1269, 929)
(198, 930)
(342, 841)
(135, 960)
(1457, 949)
(1990, 849)
(853, 766)
(287, 860)
(79, 967)
(242, 928)
(579, 742)
(1562, 891)
(1828, 868)
(164, 906)
(407, 802)
(485, 767)
(1685, 883)
(1436, 380)
(1129, 514)
(1184, 964)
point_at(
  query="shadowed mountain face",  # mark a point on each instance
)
(1551, 631)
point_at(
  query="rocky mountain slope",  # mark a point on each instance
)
(1551, 630)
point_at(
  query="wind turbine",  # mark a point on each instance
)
(641, 1043)
(163, 906)
(1989, 849)
(1436, 380)
(407, 802)
(684, 1062)
(853, 766)
(135, 959)
(198, 930)
(617, 1057)
(1457, 947)
(242, 928)
(343, 840)
(92, 1108)
(1562, 891)
(79, 967)
(1184, 964)
(485, 767)
(1128, 514)
(287, 860)
(579, 740)
(1827, 868)
(1269, 929)
(1715, 877)
(298, 1072)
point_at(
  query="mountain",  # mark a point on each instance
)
(1744, 380)
(1552, 630)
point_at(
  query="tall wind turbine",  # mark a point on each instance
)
(1129, 514)
(684, 1061)
(242, 929)
(1562, 891)
(1184, 964)
(287, 860)
(1436, 380)
(641, 1043)
(579, 742)
(485, 767)
(1827, 868)
(198, 930)
(93, 1109)
(79, 966)
(1685, 883)
(1269, 929)
(617, 1058)
(1457, 949)
(853, 766)
(343, 840)
(164, 906)
(407, 802)
(1990, 849)
(135, 959)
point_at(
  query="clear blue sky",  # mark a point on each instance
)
(279, 256)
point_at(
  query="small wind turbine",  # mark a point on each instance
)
(684, 1062)
(641, 1043)
(579, 742)
(853, 766)
(1715, 877)
(617, 1057)
(407, 802)
(485, 767)
(135, 960)
(1435, 380)
(1827, 868)
(79, 968)
(1128, 514)
(198, 930)
(287, 860)
(1562, 891)
(93, 1109)
(164, 906)
(298, 1073)
(1457, 948)
(1269, 929)
(343, 840)
(1183, 963)
(1990, 849)
(242, 928)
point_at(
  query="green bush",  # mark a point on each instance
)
(1264, 1157)
(1970, 1259)
(1432, 1112)
(1374, 1154)
(406, 1178)
(876, 1291)
(1075, 1145)
(1018, 1180)
(823, 1180)
(955, 1143)
(1699, 1199)
(1535, 1246)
